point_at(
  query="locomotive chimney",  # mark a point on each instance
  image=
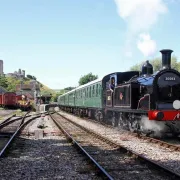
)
(166, 58)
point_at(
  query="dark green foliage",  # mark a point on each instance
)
(31, 77)
(55, 97)
(3, 82)
(87, 78)
(13, 82)
(69, 88)
(157, 64)
(41, 85)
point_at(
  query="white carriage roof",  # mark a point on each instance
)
(82, 86)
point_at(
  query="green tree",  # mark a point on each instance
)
(31, 77)
(157, 64)
(56, 95)
(87, 78)
(12, 83)
(69, 88)
(3, 82)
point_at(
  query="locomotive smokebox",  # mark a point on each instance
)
(166, 58)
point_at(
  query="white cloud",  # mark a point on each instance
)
(140, 15)
(146, 45)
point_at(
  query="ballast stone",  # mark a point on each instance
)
(39, 134)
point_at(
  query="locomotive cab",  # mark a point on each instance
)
(119, 97)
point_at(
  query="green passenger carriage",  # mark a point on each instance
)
(95, 99)
(88, 95)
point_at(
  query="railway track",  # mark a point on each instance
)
(112, 160)
(7, 119)
(163, 153)
(171, 143)
(10, 128)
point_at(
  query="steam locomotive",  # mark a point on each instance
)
(141, 100)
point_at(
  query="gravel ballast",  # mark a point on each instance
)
(48, 158)
(162, 155)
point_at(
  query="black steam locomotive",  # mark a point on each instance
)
(149, 102)
(136, 100)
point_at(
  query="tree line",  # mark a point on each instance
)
(157, 64)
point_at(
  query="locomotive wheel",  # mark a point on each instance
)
(114, 121)
(122, 122)
(99, 116)
(133, 126)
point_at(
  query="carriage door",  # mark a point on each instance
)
(109, 93)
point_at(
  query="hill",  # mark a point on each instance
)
(45, 89)
(13, 84)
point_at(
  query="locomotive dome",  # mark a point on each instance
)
(147, 68)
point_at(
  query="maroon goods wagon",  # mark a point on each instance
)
(0, 100)
(9, 99)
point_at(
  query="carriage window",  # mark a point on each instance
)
(99, 89)
(89, 91)
(96, 89)
(93, 94)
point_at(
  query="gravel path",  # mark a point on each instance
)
(162, 155)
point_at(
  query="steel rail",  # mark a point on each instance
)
(3, 124)
(71, 139)
(8, 118)
(121, 147)
(160, 142)
(11, 121)
(140, 136)
(16, 133)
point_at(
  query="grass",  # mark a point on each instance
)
(19, 112)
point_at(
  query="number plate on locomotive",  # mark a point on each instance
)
(169, 78)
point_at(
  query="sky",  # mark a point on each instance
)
(59, 41)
